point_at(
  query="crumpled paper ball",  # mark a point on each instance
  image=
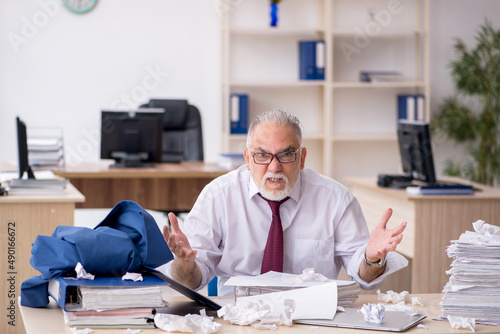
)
(261, 314)
(373, 313)
(190, 323)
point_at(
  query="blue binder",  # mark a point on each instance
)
(239, 113)
(443, 190)
(64, 289)
(312, 60)
(411, 107)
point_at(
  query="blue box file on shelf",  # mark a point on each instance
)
(312, 60)
(239, 113)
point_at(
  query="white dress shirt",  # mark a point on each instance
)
(323, 228)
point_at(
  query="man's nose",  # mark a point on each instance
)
(275, 165)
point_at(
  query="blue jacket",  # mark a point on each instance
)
(125, 240)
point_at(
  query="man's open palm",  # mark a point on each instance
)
(383, 240)
(177, 241)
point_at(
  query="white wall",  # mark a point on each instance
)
(69, 67)
(452, 19)
(62, 69)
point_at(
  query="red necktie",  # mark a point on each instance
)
(273, 254)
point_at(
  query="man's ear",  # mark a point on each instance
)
(303, 158)
(246, 154)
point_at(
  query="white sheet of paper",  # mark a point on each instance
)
(273, 278)
(315, 302)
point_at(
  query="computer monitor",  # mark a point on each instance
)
(132, 138)
(22, 150)
(416, 150)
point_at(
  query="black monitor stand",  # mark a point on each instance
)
(131, 160)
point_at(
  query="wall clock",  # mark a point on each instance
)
(80, 6)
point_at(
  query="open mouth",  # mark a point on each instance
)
(275, 179)
(274, 182)
(274, 186)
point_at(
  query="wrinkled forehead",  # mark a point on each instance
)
(274, 136)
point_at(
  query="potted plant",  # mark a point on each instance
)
(472, 116)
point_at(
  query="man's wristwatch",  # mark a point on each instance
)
(380, 263)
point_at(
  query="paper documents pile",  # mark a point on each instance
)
(347, 291)
(473, 290)
(121, 318)
(45, 148)
(45, 183)
(109, 302)
(105, 298)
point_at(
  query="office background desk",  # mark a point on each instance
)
(50, 320)
(433, 221)
(166, 187)
(23, 218)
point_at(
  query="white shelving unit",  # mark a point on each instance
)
(349, 126)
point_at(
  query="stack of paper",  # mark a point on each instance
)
(123, 318)
(231, 160)
(45, 148)
(105, 298)
(347, 291)
(45, 183)
(109, 302)
(473, 290)
(380, 76)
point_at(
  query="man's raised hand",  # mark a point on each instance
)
(177, 241)
(383, 240)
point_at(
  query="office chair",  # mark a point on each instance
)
(182, 134)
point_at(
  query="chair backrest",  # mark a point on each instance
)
(182, 133)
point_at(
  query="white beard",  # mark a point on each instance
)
(275, 195)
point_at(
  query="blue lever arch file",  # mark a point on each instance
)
(64, 289)
(312, 60)
(239, 113)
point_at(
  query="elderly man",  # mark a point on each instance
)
(275, 214)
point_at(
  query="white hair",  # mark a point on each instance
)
(278, 117)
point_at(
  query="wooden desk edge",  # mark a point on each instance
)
(187, 169)
(71, 195)
(485, 192)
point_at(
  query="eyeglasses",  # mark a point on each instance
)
(286, 157)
